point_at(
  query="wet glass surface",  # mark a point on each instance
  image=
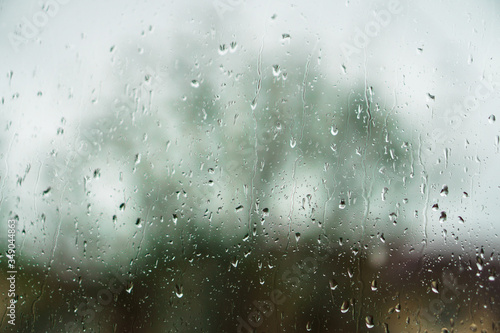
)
(249, 166)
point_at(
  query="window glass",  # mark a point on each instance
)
(249, 166)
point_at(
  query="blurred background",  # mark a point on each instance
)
(251, 166)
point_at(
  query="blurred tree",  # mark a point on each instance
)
(215, 178)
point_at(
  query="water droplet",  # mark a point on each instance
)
(479, 263)
(384, 193)
(223, 49)
(232, 47)
(276, 70)
(138, 222)
(444, 191)
(137, 158)
(234, 262)
(308, 326)
(333, 284)
(434, 287)
(285, 37)
(392, 217)
(435, 207)
(47, 191)
(473, 327)
(179, 291)
(195, 83)
(293, 142)
(374, 285)
(239, 208)
(344, 307)
(442, 218)
(334, 130)
(253, 105)
(342, 204)
(174, 219)
(130, 287)
(297, 236)
(122, 206)
(369, 321)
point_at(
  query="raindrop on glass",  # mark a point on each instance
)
(253, 105)
(434, 287)
(479, 263)
(344, 307)
(369, 321)
(442, 218)
(232, 47)
(342, 204)
(223, 49)
(179, 291)
(333, 284)
(276, 70)
(444, 191)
